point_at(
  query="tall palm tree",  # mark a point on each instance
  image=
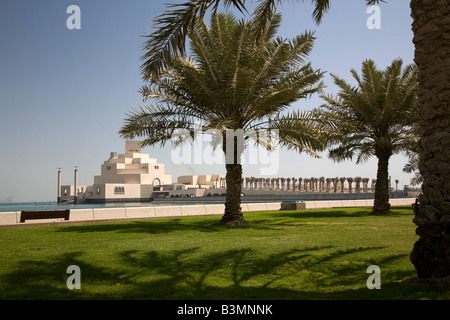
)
(374, 119)
(431, 27)
(232, 83)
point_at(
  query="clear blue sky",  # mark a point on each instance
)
(64, 93)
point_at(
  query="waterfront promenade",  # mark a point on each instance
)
(12, 219)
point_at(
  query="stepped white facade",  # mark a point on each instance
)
(134, 176)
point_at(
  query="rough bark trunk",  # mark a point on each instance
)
(431, 27)
(233, 211)
(381, 202)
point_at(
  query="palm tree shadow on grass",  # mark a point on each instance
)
(210, 224)
(47, 279)
(309, 273)
(338, 213)
(147, 226)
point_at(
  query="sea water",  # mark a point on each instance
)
(35, 206)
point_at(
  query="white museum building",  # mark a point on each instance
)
(135, 177)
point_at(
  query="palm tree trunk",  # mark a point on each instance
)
(431, 27)
(233, 211)
(381, 203)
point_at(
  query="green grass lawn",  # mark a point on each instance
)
(314, 254)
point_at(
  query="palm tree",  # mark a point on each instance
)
(374, 119)
(358, 186)
(232, 83)
(294, 180)
(335, 184)
(431, 26)
(322, 184)
(342, 180)
(328, 184)
(432, 57)
(316, 183)
(305, 184)
(366, 184)
(350, 181)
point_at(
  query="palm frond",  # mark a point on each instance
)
(263, 15)
(173, 25)
(172, 28)
(300, 84)
(156, 124)
(301, 131)
(320, 8)
(278, 57)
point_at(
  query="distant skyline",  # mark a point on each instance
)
(64, 93)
